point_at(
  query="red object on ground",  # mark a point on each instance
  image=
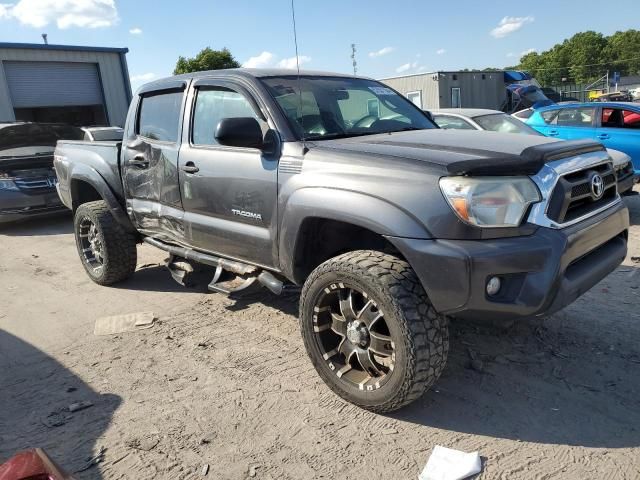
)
(33, 464)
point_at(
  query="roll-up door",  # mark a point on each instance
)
(53, 84)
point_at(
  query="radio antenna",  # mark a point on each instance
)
(295, 41)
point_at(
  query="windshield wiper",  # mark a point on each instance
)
(333, 136)
(408, 129)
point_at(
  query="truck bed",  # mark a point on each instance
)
(101, 157)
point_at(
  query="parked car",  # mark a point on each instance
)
(523, 114)
(616, 125)
(480, 119)
(623, 96)
(496, 121)
(27, 178)
(391, 226)
(102, 134)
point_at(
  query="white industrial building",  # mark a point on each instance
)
(63, 84)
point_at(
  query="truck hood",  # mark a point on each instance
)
(465, 152)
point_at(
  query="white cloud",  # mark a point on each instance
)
(441, 51)
(408, 66)
(135, 31)
(268, 59)
(5, 11)
(291, 62)
(511, 54)
(64, 13)
(381, 52)
(528, 51)
(143, 77)
(509, 25)
(265, 59)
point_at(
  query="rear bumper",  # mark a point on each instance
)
(18, 205)
(540, 273)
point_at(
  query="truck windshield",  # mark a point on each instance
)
(338, 107)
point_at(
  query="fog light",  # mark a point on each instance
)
(493, 286)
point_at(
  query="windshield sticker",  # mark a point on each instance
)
(382, 91)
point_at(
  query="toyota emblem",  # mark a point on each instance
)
(597, 186)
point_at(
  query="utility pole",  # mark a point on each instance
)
(353, 57)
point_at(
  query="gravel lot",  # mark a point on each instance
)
(227, 382)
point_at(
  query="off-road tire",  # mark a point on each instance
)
(120, 253)
(421, 340)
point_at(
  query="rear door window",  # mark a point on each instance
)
(159, 117)
(550, 117)
(576, 117)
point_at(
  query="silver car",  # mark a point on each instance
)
(496, 121)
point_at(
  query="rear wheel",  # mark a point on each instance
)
(108, 252)
(370, 330)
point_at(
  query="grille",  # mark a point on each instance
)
(574, 198)
(36, 183)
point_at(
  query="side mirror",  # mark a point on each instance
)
(239, 132)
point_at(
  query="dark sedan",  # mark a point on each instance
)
(27, 178)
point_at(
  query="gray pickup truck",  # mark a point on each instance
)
(342, 186)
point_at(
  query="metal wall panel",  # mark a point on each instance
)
(476, 91)
(53, 84)
(115, 80)
(423, 82)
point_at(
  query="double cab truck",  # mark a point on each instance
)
(341, 186)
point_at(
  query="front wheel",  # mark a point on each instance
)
(107, 251)
(370, 330)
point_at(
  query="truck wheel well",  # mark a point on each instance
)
(83, 192)
(320, 239)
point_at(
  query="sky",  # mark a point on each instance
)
(395, 37)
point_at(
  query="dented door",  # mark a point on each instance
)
(150, 163)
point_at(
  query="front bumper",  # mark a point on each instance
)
(540, 273)
(18, 205)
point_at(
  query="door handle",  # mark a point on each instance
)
(603, 136)
(139, 161)
(553, 133)
(190, 167)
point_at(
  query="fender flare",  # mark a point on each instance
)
(358, 209)
(91, 176)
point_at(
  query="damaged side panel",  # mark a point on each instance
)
(150, 167)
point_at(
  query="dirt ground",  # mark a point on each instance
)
(226, 383)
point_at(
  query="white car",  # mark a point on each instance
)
(496, 121)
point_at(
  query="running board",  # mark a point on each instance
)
(190, 254)
(243, 276)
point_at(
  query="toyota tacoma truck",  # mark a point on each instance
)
(341, 186)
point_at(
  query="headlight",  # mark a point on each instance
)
(7, 184)
(490, 201)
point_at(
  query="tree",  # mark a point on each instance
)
(623, 50)
(585, 57)
(206, 59)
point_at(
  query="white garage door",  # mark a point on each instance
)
(53, 84)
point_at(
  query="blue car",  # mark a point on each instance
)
(615, 124)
